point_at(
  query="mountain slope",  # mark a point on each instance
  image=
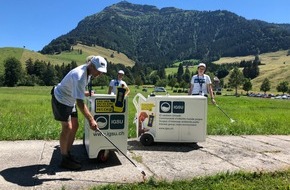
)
(150, 35)
(275, 66)
(65, 57)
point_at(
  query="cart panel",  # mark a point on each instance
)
(172, 118)
(114, 124)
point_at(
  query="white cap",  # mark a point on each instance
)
(201, 65)
(121, 72)
(100, 63)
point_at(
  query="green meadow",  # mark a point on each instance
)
(25, 113)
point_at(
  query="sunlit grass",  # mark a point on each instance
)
(25, 113)
(251, 115)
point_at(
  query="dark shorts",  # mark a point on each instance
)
(62, 112)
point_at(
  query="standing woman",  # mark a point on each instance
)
(115, 83)
(201, 84)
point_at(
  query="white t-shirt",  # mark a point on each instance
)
(117, 83)
(72, 86)
(200, 84)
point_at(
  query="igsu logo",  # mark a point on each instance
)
(113, 121)
(165, 107)
(117, 121)
(102, 122)
(120, 122)
(178, 107)
(171, 107)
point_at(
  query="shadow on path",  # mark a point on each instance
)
(164, 146)
(28, 175)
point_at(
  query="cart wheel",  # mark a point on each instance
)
(146, 139)
(103, 156)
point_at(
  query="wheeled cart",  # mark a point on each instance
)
(166, 118)
(112, 121)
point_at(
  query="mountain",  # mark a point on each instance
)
(147, 34)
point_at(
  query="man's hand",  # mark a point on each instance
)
(87, 93)
(84, 109)
(93, 125)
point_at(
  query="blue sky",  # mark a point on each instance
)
(34, 23)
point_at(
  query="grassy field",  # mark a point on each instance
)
(9, 52)
(25, 113)
(64, 57)
(276, 67)
(173, 70)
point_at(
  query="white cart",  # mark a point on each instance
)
(170, 118)
(114, 124)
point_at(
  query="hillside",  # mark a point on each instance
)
(276, 67)
(150, 35)
(64, 57)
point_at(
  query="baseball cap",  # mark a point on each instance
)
(201, 65)
(100, 63)
(121, 72)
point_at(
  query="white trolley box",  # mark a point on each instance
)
(166, 118)
(114, 124)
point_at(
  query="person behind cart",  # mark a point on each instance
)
(69, 92)
(115, 83)
(201, 84)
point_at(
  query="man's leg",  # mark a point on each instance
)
(64, 137)
(75, 126)
(73, 131)
(65, 145)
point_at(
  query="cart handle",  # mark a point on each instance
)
(138, 95)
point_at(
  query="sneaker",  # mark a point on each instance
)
(67, 163)
(73, 158)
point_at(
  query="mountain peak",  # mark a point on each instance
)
(129, 9)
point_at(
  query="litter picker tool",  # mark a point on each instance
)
(142, 172)
(232, 121)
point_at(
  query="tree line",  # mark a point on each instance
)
(46, 74)
(43, 73)
(35, 72)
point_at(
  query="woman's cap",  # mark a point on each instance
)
(121, 72)
(201, 65)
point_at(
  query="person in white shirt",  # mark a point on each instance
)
(69, 92)
(201, 83)
(115, 83)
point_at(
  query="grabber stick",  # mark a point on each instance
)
(225, 114)
(142, 172)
